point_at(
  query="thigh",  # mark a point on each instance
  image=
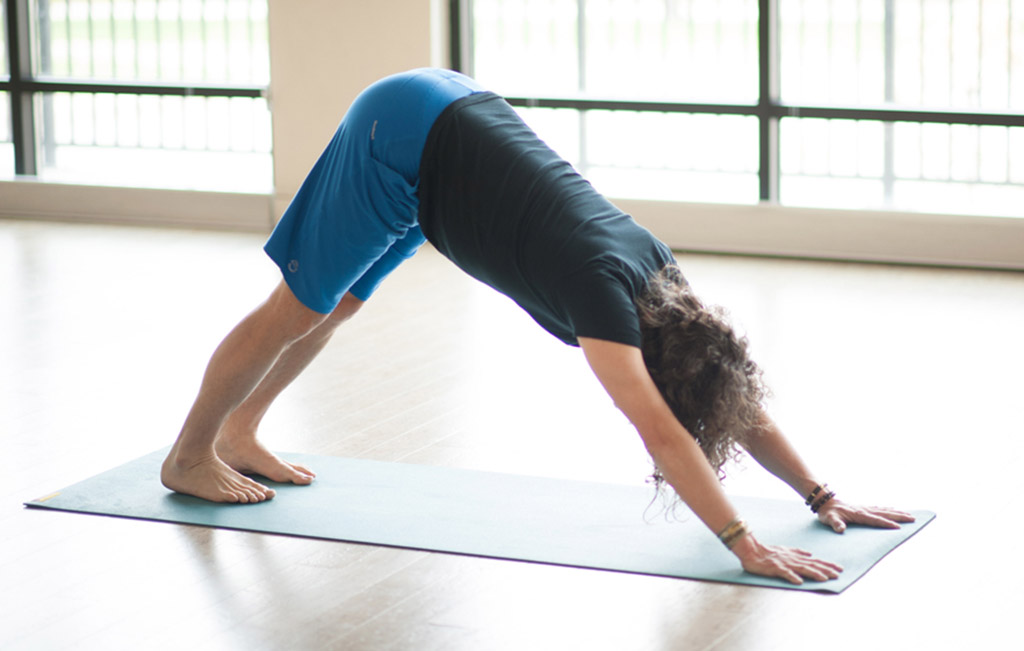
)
(399, 252)
(341, 221)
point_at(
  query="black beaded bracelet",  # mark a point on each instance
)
(814, 493)
(825, 499)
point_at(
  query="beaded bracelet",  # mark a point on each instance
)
(816, 502)
(732, 532)
(822, 501)
(814, 493)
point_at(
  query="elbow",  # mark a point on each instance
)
(661, 440)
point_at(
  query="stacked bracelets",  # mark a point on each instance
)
(733, 532)
(816, 502)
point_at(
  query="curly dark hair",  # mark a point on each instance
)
(701, 367)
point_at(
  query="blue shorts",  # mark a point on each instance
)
(355, 218)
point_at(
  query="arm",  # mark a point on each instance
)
(775, 453)
(622, 372)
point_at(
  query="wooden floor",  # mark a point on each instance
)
(900, 385)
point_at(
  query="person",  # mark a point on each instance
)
(429, 155)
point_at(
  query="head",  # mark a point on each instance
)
(700, 366)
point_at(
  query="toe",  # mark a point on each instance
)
(303, 470)
(258, 492)
(284, 473)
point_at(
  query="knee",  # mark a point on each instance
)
(295, 321)
(286, 317)
(348, 306)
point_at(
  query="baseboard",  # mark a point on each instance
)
(895, 237)
(102, 204)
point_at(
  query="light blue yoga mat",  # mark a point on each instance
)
(579, 524)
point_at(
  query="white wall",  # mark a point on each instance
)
(323, 53)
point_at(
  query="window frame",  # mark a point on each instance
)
(769, 110)
(22, 86)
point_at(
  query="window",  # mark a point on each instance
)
(893, 104)
(6, 144)
(922, 57)
(155, 93)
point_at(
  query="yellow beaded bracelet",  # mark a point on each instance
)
(732, 532)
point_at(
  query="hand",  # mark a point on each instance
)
(838, 514)
(793, 565)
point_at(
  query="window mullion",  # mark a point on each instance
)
(889, 127)
(581, 71)
(19, 57)
(768, 99)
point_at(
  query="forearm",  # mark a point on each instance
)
(621, 370)
(687, 471)
(776, 454)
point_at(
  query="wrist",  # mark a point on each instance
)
(819, 497)
(733, 533)
(804, 487)
(746, 548)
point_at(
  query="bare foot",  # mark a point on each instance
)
(247, 455)
(211, 479)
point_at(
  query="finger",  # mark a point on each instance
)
(823, 565)
(833, 569)
(870, 516)
(791, 550)
(818, 570)
(792, 577)
(815, 574)
(808, 567)
(815, 570)
(834, 517)
(836, 522)
(873, 520)
(825, 574)
(894, 514)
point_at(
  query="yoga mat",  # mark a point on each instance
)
(579, 524)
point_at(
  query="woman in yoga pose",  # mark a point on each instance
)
(430, 155)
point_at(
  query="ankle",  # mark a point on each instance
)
(238, 428)
(184, 455)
